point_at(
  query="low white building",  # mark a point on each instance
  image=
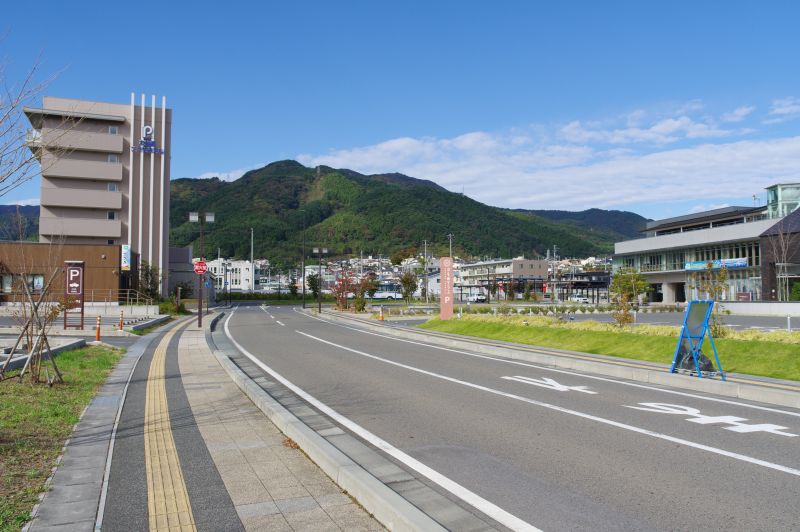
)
(239, 274)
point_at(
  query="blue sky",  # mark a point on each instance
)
(659, 109)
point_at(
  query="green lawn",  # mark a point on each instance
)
(753, 357)
(35, 420)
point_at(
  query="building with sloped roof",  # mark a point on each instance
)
(673, 251)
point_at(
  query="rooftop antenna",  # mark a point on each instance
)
(755, 200)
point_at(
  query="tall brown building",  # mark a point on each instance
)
(105, 175)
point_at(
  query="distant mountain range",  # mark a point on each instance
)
(348, 213)
(19, 222)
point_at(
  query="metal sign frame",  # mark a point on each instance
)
(73, 268)
(694, 336)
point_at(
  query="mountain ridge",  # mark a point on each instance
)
(350, 212)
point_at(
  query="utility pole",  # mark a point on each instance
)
(320, 251)
(252, 264)
(303, 259)
(201, 218)
(425, 264)
(450, 236)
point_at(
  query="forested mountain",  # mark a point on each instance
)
(349, 212)
(19, 222)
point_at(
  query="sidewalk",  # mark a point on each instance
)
(272, 484)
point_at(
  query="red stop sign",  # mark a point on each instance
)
(200, 267)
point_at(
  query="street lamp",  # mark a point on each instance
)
(320, 252)
(202, 219)
(303, 259)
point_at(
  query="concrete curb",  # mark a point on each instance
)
(74, 344)
(392, 510)
(552, 358)
(149, 323)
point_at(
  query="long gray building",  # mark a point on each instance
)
(735, 238)
(105, 176)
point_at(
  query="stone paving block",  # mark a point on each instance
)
(333, 499)
(288, 492)
(79, 526)
(315, 520)
(58, 513)
(352, 517)
(227, 456)
(247, 492)
(298, 504)
(273, 523)
(321, 489)
(62, 493)
(258, 509)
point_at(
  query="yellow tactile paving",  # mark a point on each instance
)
(168, 504)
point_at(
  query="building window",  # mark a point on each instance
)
(113, 130)
(111, 215)
(35, 282)
(112, 187)
(7, 283)
(111, 241)
(113, 158)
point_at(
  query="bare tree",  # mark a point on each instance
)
(38, 305)
(22, 147)
(783, 243)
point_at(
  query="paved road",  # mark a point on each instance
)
(557, 449)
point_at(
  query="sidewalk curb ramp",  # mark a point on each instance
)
(389, 508)
(586, 362)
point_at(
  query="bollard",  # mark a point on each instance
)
(97, 330)
(380, 317)
(120, 319)
(789, 323)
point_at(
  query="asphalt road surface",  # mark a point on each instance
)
(557, 449)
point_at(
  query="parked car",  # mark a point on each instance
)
(579, 299)
(478, 298)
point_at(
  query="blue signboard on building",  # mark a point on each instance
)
(730, 264)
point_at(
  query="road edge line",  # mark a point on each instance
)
(387, 506)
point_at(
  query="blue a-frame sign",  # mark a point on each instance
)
(695, 329)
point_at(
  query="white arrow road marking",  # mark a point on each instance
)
(501, 360)
(546, 382)
(604, 421)
(697, 417)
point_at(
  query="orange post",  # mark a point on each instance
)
(380, 317)
(97, 330)
(120, 319)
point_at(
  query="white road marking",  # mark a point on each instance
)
(566, 372)
(545, 382)
(617, 424)
(697, 417)
(495, 512)
(279, 323)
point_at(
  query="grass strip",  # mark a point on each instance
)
(752, 357)
(36, 419)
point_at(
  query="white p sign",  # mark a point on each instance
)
(147, 132)
(74, 280)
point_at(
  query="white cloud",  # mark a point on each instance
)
(703, 208)
(664, 131)
(26, 202)
(738, 114)
(497, 169)
(230, 175)
(783, 110)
